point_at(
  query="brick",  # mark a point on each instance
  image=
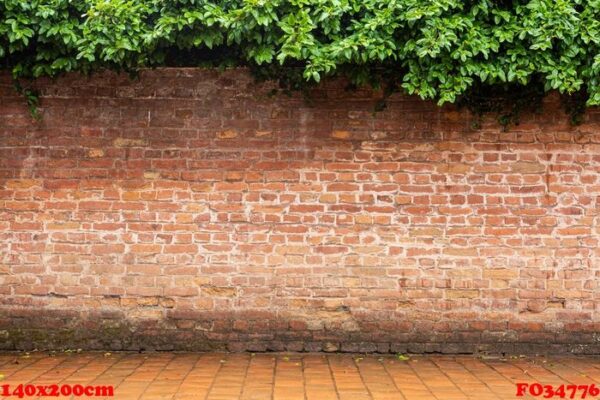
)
(340, 134)
(462, 294)
(331, 249)
(95, 205)
(123, 142)
(219, 291)
(328, 198)
(146, 248)
(426, 232)
(501, 273)
(231, 186)
(62, 225)
(342, 187)
(527, 168)
(363, 219)
(180, 248)
(21, 205)
(574, 231)
(21, 183)
(466, 252)
(108, 249)
(228, 134)
(292, 249)
(454, 168)
(94, 153)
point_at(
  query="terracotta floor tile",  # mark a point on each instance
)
(274, 376)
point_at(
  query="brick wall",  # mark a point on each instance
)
(193, 210)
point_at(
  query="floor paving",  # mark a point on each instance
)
(290, 376)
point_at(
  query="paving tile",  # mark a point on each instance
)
(302, 376)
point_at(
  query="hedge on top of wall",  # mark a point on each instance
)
(447, 50)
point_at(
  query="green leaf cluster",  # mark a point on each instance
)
(437, 49)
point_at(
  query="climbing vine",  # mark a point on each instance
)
(472, 52)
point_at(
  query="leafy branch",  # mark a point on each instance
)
(444, 50)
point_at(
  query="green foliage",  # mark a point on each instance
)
(446, 50)
(509, 101)
(32, 98)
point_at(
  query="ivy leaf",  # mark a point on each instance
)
(438, 50)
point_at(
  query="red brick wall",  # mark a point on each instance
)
(192, 210)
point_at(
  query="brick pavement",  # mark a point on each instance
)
(217, 376)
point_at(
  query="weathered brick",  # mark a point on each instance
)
(21, 183)
(227, 134)
(125, 142)
(340, 134)
(462, 293)
(501, 273)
